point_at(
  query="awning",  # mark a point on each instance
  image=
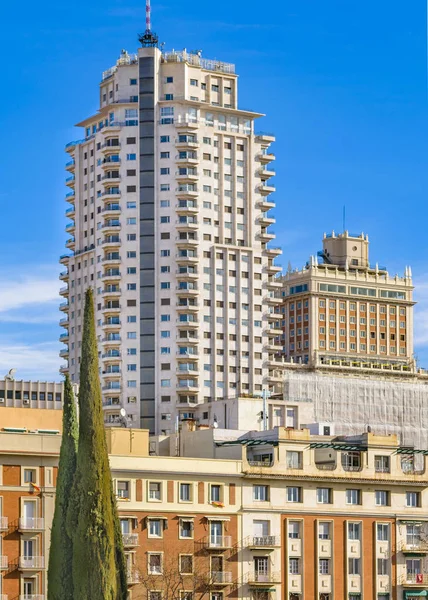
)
(408, 594)
(156, 517)
(217, 518)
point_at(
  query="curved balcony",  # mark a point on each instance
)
(111, 194)
(64, 353)
(265, 174)
(71, 196)
(71, 243)
(64, 322)
(111, 241)
(266, 221)
(186, 274)
(64, 369)
(265, 157)
(265, 190)
(273, 269)
(187, 242)
(274, 331)
(111, 355)
(63, 275)
(110, 179)
(64, 337)
(111, 210)
(187, 290)
(274, 283)
(111, 226)
(186, 191)
(185, 308)
(112, 341)
(70, 212)
(111, 277)
(64, 306)
(111, 324)
(70, 165)
(113, 291)
(190, 354)
(109, 148)
(63, 259)
(265, 205)
(187, 323)
(187, 225)
(184, 175)
(112, 388)
(110, 163)
(273, 251)
(111, 403)
(189, 256)
(70, 227)
(273, 300)
(70, 181)
(112, 258)
(187, 141)
(266, 236)
(186, 207)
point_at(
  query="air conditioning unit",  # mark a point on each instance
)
(1, 400)
(26, 401)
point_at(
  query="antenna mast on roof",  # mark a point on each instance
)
(148, 38)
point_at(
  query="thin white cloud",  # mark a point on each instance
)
(16, 293)
(37, 361)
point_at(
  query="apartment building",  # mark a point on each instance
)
(342, 311)
(169, 206)
(258, 515)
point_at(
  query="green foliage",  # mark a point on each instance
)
(60, 580)
(99, 568)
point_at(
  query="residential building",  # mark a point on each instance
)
(342, 311)
(169, 206)
(213, 513)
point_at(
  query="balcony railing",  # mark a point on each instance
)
(219, 541)
(221, 577)
(4, 562)
(260, 463)
(257, 577)
(415, 546)
(262, 541)
(31, 562)
(4, 523)
(415, 579)
(31, 523)
(130, 539)
(133, 576)
(30, 597)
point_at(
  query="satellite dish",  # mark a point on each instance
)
(11, 375)
(122, 412)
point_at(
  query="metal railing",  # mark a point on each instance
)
(198, 61)
(415, 579)
(31, 562)
(4, 562)
(260, 463)
(257, 577)
(31, 523)
(130, 539)
(30, 597)
(4, 523)
(219, 541)
(221, 577)
(263, 541)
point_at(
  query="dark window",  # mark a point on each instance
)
(131, 303)
(131, 140)
(131, 188)
(131, 172)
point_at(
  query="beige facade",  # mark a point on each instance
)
(192, 217)
(340, 310)
(235, 514)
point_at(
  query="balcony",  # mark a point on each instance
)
(111, 291)
(415, 579)
(221, 577)
(265, 157)
(184, 225)
(64, 322)
(108, 147)
(111, 210)
(64, 291)
(111, 226)
(188, 290)
(273, 251)
(70, 166)
(257, 578)
(29, 597)
(266, 236)
(113, 257)
(110, 163)
(111, 355)
(187, 385)
(187, 190)
(70, 181)
(262, 542)
(187, 141)
(64, 353)
(110, 179)
(4, 523)
(70, 196)
(266, 221)
(415, 546)
(63, 259)
(64, 338)
(271, 268)
(109, 388)
(70, 243)
(31, 524)
(133, 576)
(70, 212)
(109, 403)
(111, 194)
(4, 563)
(31, 563)
(274, 283)
(265, 205)
(111, 241)
(272, 300)
(266, 173)
(218, 542)
(186, 175)
(64, 369)
(189, 256)
(130, 540)
(274, 331)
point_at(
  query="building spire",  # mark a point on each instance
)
(148, 38)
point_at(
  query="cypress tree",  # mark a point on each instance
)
(60, 580)
(99, 567)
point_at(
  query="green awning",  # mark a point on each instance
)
(407, 594)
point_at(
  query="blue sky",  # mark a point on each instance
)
(343, 84)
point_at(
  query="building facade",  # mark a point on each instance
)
(216, 514)
(169, 200)
(340, 310)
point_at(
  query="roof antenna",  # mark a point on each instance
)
(148, 39)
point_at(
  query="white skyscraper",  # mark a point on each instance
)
(169, 205)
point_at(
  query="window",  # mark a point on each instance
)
(155, 528)
(294, 459)
(382, 498)
(324, 566)
(351, 461)
(123, 489)
(324, 495)
(131, 157)
(185, 492)
(294, 494)
(261, 493)
(194, 82)
(215, 493)
(353, 496)
(154, 490)
(186, 528)
(186, 564)
(294, 530)
(293, 566)
(354, 531)
(413, 499)
(382, 464)
(29, 475)
(324, 531)
(382, 532)
(354, 566)
(155, 564)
